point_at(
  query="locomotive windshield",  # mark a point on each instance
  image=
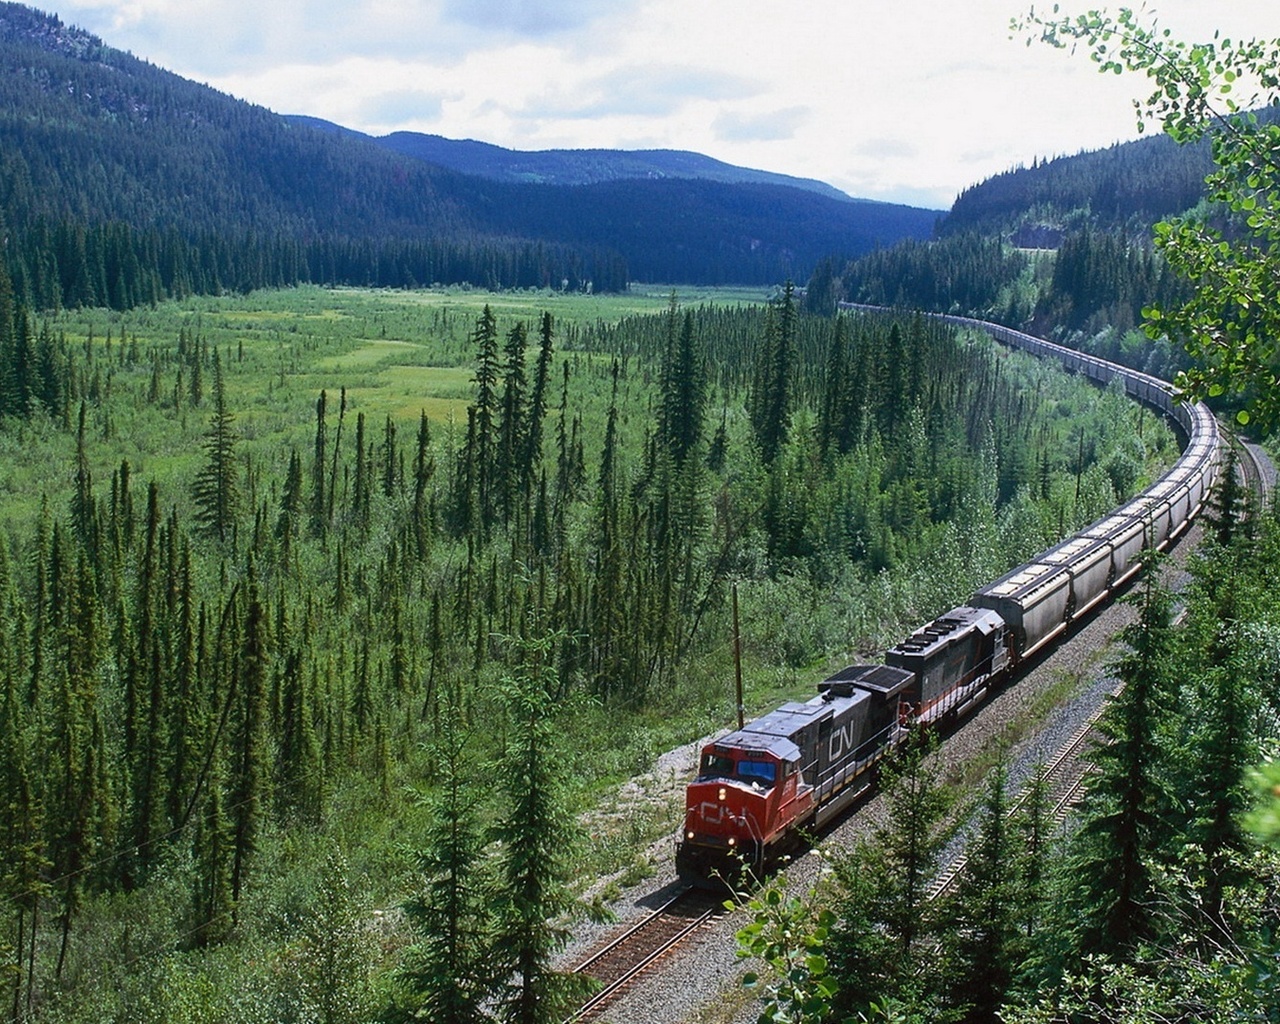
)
(764, 772)
(721, 766)
(714, 765)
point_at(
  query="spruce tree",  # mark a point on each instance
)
(390, 460)
(83, 513)
(212, 906)
(834, 392)
(21, 373)
(424, 468)
(319, 519)
(1126, 812)
(249, 767)
(1221, 685)
(359, 514)
(8, 318)
(538, 396)
(486, 414)
(683, 397)
(512, 452)
(885, 923)
(982, 934)
(1227, 506)
(184, 707)
(289, 520)
(447, 971)
(772, 391)
(1032, 824)
(23, 853)
(608, 607)
(538, 835)
(196, 386)
(332, 494)
(215, 492)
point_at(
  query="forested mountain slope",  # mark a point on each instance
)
(121, 183)
(1125, 188)
(1062, 247)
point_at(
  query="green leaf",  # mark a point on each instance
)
(1242, 417)
(816, 964)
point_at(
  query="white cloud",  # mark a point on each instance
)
(526, 17)
(768, 126)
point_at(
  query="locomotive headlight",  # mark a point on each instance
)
(689, 836)
(733, 841)
(722, 792)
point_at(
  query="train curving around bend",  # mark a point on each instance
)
(798, 767)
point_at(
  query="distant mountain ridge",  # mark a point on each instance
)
(121, 183)
(572, 166)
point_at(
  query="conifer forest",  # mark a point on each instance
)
(297, 587)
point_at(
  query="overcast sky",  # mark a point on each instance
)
(902, 100)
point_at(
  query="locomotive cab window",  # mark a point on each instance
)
(763, 772)
(715, 765)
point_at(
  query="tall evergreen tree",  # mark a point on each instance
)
(360, 499)
(487, 412)
(319, 472)
(771, 396)
(539, 835)
(1227, 508)
(1127, 807)
(289, 520)
(147, 689)
(513, 473)
(683, 390)
(184, 704)
(390, 459)
(83, 513)
(835, 391)
(538, 397)
(215, 492)
(424, 467)
(447, 972)
(982, 932)
(885, 923)
(608, 597)
(249, 767)
(23, 853)
(212, 907)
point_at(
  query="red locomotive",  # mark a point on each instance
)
(795, 769)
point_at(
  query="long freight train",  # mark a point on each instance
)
(796, 768)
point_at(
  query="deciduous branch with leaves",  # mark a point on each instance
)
(1230, 250)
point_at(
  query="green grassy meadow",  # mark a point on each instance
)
(396, 354)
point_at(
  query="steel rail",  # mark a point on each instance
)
(647, 955)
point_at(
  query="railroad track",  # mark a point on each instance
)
(1067, 771)
(1254, 473)
(1064, 776)
(644, 944)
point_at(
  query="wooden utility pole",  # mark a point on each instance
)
(737, 656)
